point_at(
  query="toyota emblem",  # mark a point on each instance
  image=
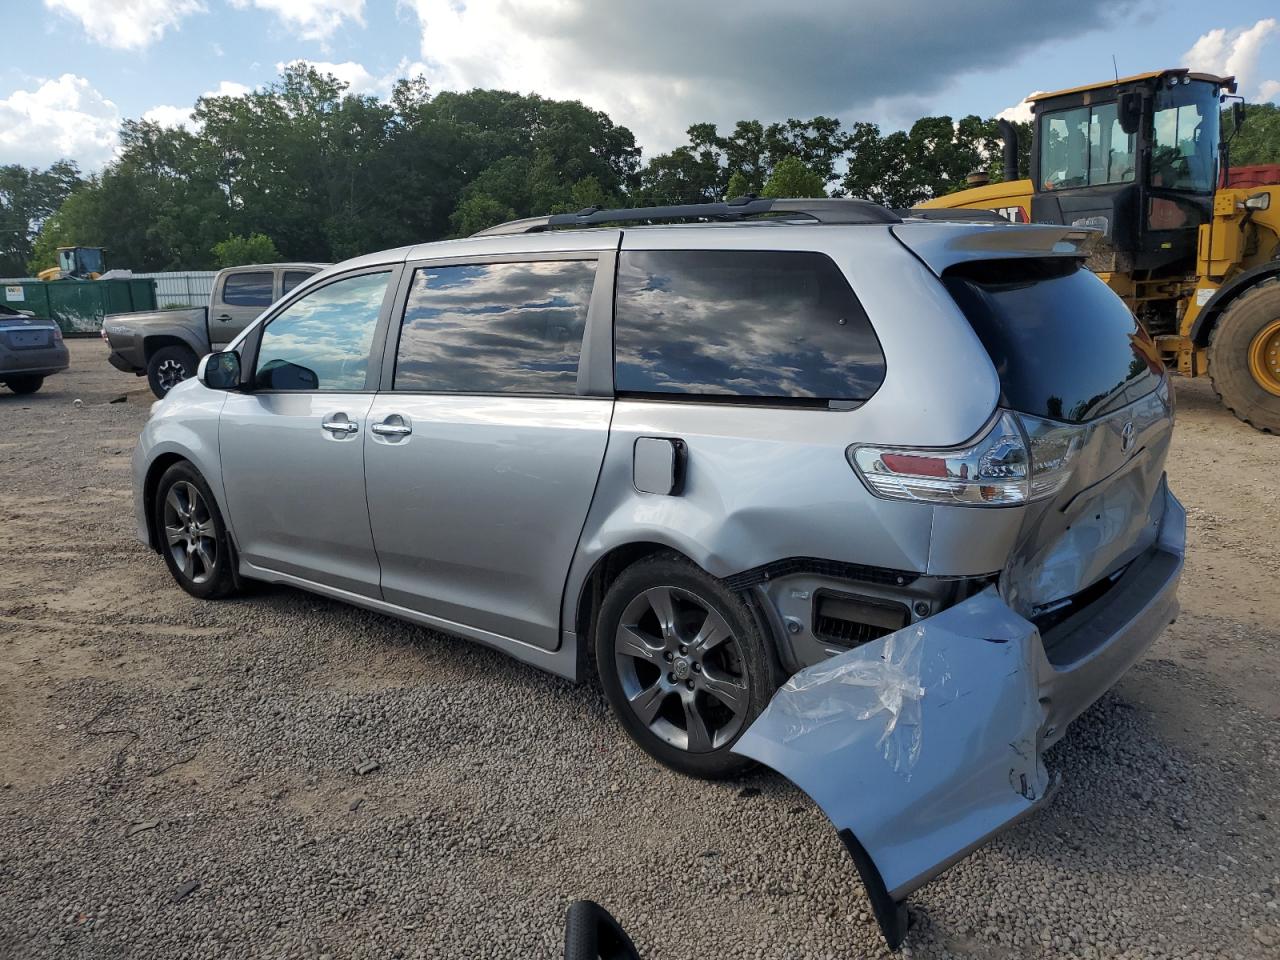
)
(1127, 436)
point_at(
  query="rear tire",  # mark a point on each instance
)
(192, 536)
(168, 367)
(29, 383)
(1242, 366)
(686, 691)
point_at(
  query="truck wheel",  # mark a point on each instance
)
(26, 384)
(1244, 356)
(168, 367)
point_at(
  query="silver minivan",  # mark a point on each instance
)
(878, 502)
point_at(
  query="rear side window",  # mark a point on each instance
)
(1065, 346)
(495, 327)
(291, 279)
(247, 289)
(742, 324)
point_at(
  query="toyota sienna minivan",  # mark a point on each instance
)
(876, 501)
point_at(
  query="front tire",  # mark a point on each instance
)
(193, 538)
(168, 367)
(683, 664)
(1244, 357)
(28, 383)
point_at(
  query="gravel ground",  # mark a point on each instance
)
(179, 778)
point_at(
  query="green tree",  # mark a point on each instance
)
(791, 178)
(738, 186)
(238, 251)
(1258, 140)
(28, 197)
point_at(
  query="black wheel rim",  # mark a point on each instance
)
(681, 669)
(190, 533)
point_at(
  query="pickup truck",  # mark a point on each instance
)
(166, 345)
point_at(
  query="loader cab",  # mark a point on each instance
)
(1136, 159)
(82, 263)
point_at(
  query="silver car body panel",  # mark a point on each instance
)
(476, 513)
(294, 492)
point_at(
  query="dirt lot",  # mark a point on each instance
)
(149, 741)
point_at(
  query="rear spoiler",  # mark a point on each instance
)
(943, 245)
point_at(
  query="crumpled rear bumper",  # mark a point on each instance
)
(922, 745)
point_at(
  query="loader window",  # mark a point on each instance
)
(1085, 147)
(1185, 144)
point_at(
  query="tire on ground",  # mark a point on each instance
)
(758, 659)
(222, 582)
(166, 364)
(28, 383)
(1229, 346)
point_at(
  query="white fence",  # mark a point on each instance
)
(190, 288)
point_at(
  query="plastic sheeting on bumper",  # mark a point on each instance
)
(922, 745)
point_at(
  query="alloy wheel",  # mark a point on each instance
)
(190, 532)
(681, 669)
(169, 374)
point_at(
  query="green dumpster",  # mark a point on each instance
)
(78, 306)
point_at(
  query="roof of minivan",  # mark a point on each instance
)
(962, 238)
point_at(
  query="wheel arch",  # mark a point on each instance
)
(150, 484)
(606, 569)
(158, 341)
(611, 564)
(1228, 294)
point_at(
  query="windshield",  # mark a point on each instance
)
(1083, 147)
(1185, 138)
(90, 260)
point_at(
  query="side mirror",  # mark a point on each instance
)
(591, 933)
(1237, 116)
(220, 371)
(1129, 112)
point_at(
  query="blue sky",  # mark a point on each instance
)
(655, 66)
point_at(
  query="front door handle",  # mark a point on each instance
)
(225, 318)
(340, 428)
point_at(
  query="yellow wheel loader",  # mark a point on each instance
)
(1191, 244)
(76, 263)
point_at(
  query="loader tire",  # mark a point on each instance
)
(1244, 364)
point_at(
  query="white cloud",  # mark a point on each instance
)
(126, 24)
(354, 75)
(1269, 90)
(228, 88)
(168, 116)
(1019, 112)
(65, 117)
(313, 19)
(1232, 52)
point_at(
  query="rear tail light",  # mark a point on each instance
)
(57, 333)
(1017, 460)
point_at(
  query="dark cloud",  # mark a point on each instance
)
(804, 57)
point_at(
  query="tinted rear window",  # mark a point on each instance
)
(1064, 345)
(247, 289)
(293, 278)
(742, 324)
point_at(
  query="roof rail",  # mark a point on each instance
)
(955, 214)
(821, 210)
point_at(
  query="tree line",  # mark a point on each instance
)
(303, 169)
